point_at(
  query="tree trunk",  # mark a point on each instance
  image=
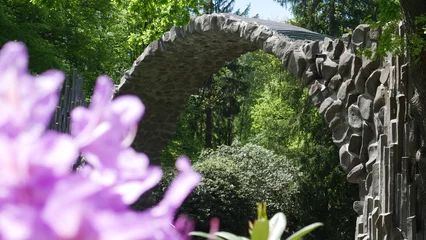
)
(209, 127)
(209, 115)
(332, 20)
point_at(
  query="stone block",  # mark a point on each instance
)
(367, 138)
(345, 63)
(373, 81)
(359, 34)
(231, 26)
(344, 90)
(372, 151)
(318, 64)
(360, 79)
(328, 69)
(347, 38)
(347, 160)
(354, 117)
(352, 98)
(315, 87)
(337, 49)
(379, 99)
(374, 34)
(384, 76)
(340, 134)
(335, 122)
(310, 75)
(271, 42)
(311, 50)
(327, 45)
(365, 107)
(355, 142)
(334, 83)
(355, 67)
(260, 35)
(355, 175)
(333, 110)
(297, 62)
(325, 105)
(358, 207)
(247, 30)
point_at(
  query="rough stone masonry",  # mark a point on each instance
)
(364, 101)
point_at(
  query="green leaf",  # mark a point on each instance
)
(205, 235)
(261, 225)
(302, 232)
(229, 236)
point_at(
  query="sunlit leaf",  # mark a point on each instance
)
(302, 232)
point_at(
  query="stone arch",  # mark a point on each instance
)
(364, 102)
(179, 62)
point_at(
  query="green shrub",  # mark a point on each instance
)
(235, 178)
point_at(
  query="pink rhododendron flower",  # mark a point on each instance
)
(40, 198)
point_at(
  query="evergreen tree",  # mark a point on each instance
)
(332, 17)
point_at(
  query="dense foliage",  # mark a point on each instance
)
(235, 178)
(272, 111)
(96, 37)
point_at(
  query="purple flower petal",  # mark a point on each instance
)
(179, 189)
(106, 125)
(27, 102)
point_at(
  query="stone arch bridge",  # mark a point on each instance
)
(364, 102)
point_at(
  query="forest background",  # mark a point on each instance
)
(250, 131)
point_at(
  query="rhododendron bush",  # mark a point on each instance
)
(41, 198)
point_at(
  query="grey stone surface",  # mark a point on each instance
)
(356, 174)
(328, 69)
(345, 64)
(337, 49)
(297, 62)
(372, 82)
(365, 107)
(379, 99)
(360, 79)
(355, 143)
(311, 50)
(325, 105)
(310, 75)
(335, 82)
(359, 35)
(384, 77)
(354, 117)
(333, 110)
(347, 160)
(358, 207)
(340, 134)
(344, 90)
